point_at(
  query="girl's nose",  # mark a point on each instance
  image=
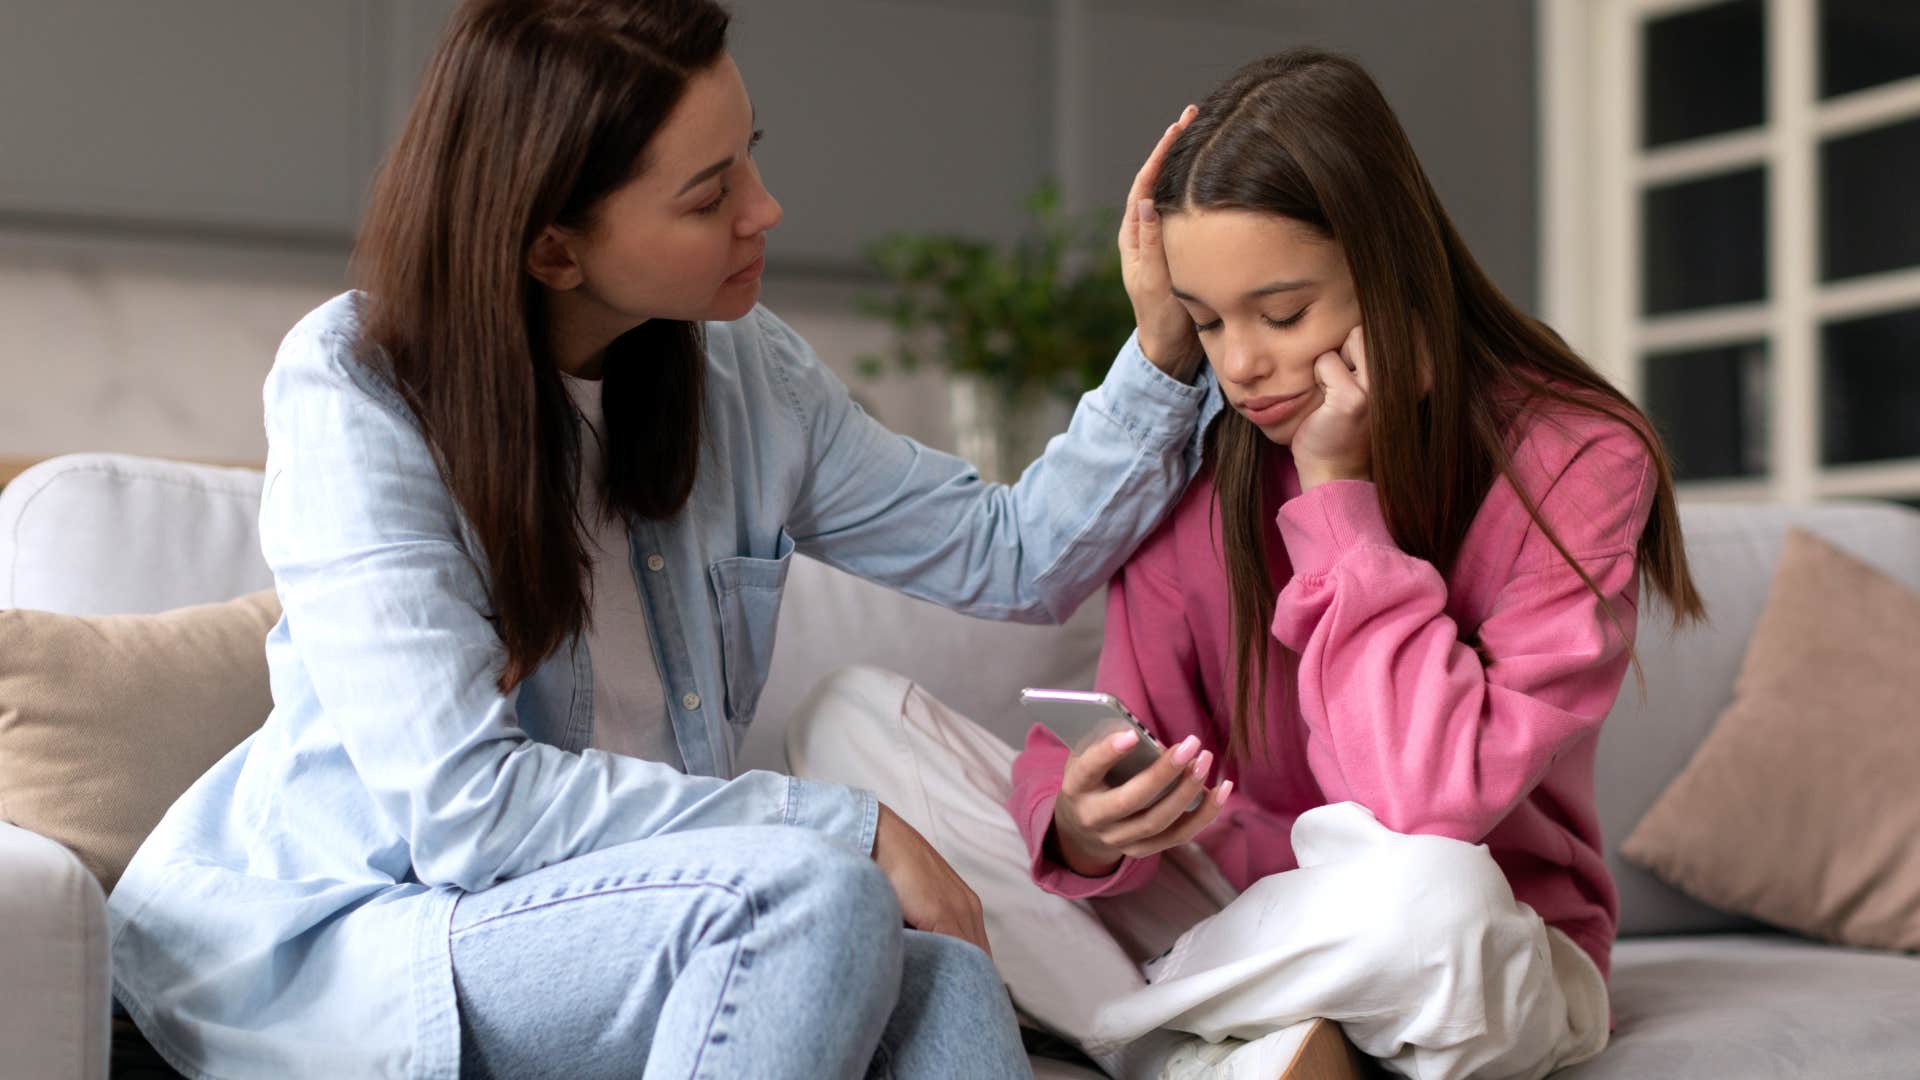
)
(1239, 361)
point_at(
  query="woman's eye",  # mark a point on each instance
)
(714, 206)
(1282, 324)
(1201, 328)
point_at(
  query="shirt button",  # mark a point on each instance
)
(691, 701)
(656, 563)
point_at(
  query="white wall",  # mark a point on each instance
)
(159, 347)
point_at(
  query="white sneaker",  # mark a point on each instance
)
(1197, 1059)
(1266, 1058)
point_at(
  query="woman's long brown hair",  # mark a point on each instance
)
(530, 114)
(1307, 135)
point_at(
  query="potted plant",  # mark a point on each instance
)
(1022, 329)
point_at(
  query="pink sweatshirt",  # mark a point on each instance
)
(1464, 705)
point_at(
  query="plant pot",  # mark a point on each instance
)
(1002, 434)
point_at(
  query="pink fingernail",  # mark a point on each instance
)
(1225, 789)
(1124, 740)
(1188, 748)
(1202, 766)
(1147, 212)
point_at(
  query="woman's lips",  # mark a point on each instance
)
(752, 271)
(1268, 411)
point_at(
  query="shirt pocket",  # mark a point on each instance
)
(746, 595)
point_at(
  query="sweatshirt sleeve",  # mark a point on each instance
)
(1433, 733)
(1147, 661)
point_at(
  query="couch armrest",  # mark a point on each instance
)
(55, 1001)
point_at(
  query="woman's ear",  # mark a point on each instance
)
(550, 260)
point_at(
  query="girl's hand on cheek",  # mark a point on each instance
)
(1333, 443)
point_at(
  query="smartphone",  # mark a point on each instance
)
(1080, 718)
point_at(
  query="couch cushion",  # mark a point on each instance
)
(97, 534)
(106, 719)
(1648, 739)
(1758, 1007)
(1818, 755)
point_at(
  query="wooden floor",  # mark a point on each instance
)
(12, 467)
(1327, 1055)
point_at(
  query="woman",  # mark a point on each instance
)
(1389, 618)
(529, 520)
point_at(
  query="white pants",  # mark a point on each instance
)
(1414, 944)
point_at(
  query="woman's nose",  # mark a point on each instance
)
(763, 210)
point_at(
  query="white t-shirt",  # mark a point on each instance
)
(629, 706)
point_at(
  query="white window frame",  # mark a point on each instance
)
(1593, 170)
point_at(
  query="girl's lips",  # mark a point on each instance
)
(1268, 411)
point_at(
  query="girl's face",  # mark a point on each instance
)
(686, 239)
(1268, 296)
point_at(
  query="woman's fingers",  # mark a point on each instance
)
(1143, 180)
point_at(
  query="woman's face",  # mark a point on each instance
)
(686, 239)
(1268, 296)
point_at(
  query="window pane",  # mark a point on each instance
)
(1867, 42)
(1710, 406)
(1706, 72)
(1705, 243)
(1870, 388)
(1870, 201)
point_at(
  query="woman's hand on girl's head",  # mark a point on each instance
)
(1095, 825)
(1332, 442)
(1166, 330)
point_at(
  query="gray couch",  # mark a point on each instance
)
(1696, 993)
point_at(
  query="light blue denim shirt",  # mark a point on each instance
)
(289, 915)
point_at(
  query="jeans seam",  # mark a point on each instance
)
(570, 897)
(721, 1005)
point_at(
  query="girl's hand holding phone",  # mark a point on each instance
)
(1095, 825)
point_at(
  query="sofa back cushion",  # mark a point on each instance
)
(829, 619)
(100, 534)
(1648, 739)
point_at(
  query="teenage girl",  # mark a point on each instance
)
(1377, 636)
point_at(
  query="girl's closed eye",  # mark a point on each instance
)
(1277, 324)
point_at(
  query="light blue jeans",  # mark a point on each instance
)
(761, 951)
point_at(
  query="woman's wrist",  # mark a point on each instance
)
(1178, 359)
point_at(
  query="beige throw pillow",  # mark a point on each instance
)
(105, 720)
(1802, 805)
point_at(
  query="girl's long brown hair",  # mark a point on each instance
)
(530, 114)
(1307, 135)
